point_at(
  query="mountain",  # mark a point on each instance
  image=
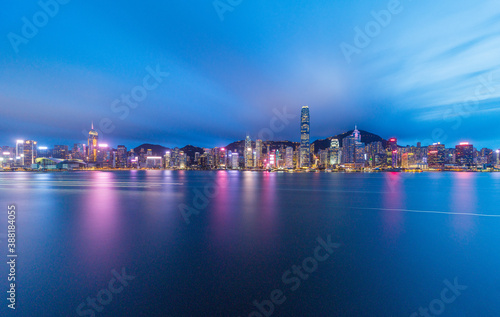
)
(366, 137)
(157, 150)
(190, 150)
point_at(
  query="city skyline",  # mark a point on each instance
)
(430, 78)
(248, 136)
(347, 151)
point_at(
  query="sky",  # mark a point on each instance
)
(209, 72)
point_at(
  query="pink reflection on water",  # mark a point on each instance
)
(393, 201)
(463, 198)
(99, 220)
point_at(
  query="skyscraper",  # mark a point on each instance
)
(248, 154)
(92, 145)
(392, 152)
(334, 152)
(289, 157)
(353, 151)
(436, 155)
(258, 153)
(305, 156)
(464, 154)
(121, 152)
(20, 153)
(60, 151)
(29, 152)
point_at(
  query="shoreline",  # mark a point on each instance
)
(259, 171)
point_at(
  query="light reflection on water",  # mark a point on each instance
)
(75, 227)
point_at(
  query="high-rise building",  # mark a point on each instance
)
(78, 151)
(92, 146)
(334, 152)
(20, 153)
(496, 158)
(436, 155)
(121, 156)
(235, 163)
(353, 151)
(248, 152)
(305, 121)
(289, 157)
(392, 152)
(60, 151)
(29, 152)
(258, 153)
(464, 154)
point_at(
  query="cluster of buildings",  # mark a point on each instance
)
(348, 153)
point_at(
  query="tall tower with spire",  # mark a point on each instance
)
(92, 145)
(305, 148)
(357, 134)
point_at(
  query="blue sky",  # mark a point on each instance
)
(429, 74)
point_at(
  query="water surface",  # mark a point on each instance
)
(401, 236)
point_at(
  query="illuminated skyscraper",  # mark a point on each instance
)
(464, 154)
(248, 154)
(334, 152)
(121, 156)
(92, 145)
(435, 155)
(305, 156)
(20, 153)
(289, 157)
(29, 152)
(392, 152)
(258, 153)
(60, 151)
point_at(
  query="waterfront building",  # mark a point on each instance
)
(92, 145)
(121, 156)
(352, 148)
(235, 163)
(248, 152)
(289, 157)
(392, 152)
(258, 153)
(19, 153)
(464, 154)
(334, 153)
(436, 155)
(305, 149)
(29, 153)
(167, 158)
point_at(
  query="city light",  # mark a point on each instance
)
(20, 141)
(43, 148)
(6, 153)
(464, 143)
(153, 157)
(103, 145)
